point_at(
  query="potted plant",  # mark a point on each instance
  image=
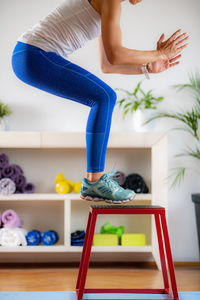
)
(190, 121)
(139, 103)
(4, 111)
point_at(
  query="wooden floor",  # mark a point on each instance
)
(64, 279)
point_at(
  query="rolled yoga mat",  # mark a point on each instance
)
(28, 188)
(4, 160)
(11, 171)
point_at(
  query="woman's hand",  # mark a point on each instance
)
(163, 65)
(171, 47)
(168, 46)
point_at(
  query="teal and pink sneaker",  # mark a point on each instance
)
(105, 189)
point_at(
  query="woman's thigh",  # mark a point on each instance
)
(56, 75)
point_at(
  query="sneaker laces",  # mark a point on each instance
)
(110, 178)
(112, 172)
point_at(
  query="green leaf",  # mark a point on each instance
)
(159, 98)
(193, 86)
(179, 174)
(125, 112)
(123, 90)
(137, 88)
(190, 119)
(142, 92)
(5, 110)
(127, 104)
(134, 108)
(190, 152)
(120, 102)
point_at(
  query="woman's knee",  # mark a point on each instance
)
(107, 98)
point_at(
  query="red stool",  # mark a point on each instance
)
(159, 213)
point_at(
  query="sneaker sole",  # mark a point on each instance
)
(95, 199)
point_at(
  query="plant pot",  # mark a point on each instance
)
(196, 200)
(2, 124)
(139, 117)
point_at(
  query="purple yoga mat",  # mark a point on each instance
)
(4, 160)
(15, 173)
(20, 181)
(18, 169)
(29, 188)
(10, 171)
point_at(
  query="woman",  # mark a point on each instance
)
(40, 59)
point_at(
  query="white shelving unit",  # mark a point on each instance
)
(42, 155)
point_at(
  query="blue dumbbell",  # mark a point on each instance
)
(49, 238)
(56, 235)
(33, 237)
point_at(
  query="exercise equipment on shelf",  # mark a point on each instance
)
(133, 239)
(64, 186)
(49, 238)
(12, 178)
(77, 238)
(108, 228)
(135, 182)
(46, 238)
(33, 238)
(105, 239)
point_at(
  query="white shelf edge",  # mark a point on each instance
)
(54, 196)
(59, 139)
(40, 196)
(112, 249)
(65, 249)
(56, 248)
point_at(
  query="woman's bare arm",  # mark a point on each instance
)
(107, 67)
(112, 38)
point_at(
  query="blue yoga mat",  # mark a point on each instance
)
(72, 296)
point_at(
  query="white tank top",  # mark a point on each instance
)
(65, 29)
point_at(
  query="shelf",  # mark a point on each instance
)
(32, 139)
(56, 248)
(54, 196)
(114, 248)
(43, 155)
(40, 196)
(60, 248)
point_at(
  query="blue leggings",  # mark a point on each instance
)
(52, 73)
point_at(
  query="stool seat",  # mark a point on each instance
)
(125, 206)
(160, 221)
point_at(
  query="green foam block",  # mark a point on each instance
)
(105, 239)
(133, 239)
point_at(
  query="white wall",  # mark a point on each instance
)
(141, 26)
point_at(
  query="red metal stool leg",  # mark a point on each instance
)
(161, 250)
(83, 250)
(169, 257)
(86, 260)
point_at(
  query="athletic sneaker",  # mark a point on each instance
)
(105, 189)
